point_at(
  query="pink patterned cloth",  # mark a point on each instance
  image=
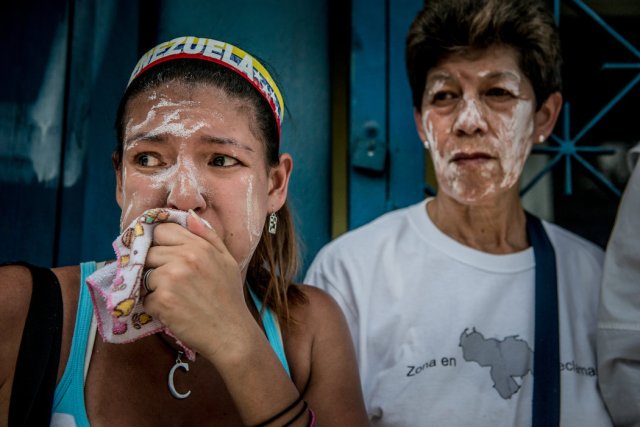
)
(116, 288)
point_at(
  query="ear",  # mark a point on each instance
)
(117, 167)
(279, 182)
(417, 118)
(546, 117)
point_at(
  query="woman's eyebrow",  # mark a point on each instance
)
(509, 75)
(224, 141)
(147, 137)
(439, 77)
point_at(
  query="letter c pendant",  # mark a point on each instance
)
(172, 387)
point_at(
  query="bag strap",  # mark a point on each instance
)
(546, 356)
(34, 381)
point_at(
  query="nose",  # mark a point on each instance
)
(186, 191)
(470, 119)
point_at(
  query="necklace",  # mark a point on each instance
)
(178, 365)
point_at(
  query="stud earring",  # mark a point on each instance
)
(426, 144)
(273, 223)
(541, 138)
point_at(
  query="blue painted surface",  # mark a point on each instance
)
(30, 128)
(406, 181)
(367, 190)
(380, 94)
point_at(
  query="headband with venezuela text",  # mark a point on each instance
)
(221, 53)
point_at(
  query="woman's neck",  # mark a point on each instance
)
(497, 227)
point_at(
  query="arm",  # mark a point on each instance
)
(333, 384)
(619, 315)
(15, 294)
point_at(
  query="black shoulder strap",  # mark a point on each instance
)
(546, 355)
(36, 371)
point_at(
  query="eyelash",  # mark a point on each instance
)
(499, 92)
(138, 159)
(233, 160)
(448, 96)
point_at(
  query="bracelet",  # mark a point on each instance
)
(298, 415)
(312, 418)
(281, 413)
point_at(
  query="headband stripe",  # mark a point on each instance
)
(221, 53)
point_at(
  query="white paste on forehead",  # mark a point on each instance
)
(171, 121)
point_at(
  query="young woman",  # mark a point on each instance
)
(198, 140)
(466, 310)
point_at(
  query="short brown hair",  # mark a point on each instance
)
(445, 27)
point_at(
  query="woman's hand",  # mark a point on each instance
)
(197, 289)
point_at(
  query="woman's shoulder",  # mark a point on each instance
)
(321, 355)
(570, 244)
(315, 323)
(319, 306)
(16, 288)
(15, 295)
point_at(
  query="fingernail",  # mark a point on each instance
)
(204, 221)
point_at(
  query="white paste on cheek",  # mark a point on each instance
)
(515, 135)
(252, 221)
(450, 177)
(427, 128)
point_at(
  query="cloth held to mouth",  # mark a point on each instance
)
(116, 288)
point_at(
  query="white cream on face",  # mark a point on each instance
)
(252, 219)
(506, 134)
(182, 178)
(184, 133)
(515, 136)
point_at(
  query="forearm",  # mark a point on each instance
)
(257, 381)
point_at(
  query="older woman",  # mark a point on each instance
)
(199, 323)
(465, 309)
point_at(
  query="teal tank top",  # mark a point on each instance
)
(68, 399)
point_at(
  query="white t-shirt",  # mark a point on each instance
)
(444, 333)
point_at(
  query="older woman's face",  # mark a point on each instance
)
(192, 147)
(478, 120)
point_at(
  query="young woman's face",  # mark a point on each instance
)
(478, 118)
(193, 147)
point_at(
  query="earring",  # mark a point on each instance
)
(541, 138)
(273, 223)
(426, 144)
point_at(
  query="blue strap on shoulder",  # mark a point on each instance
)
(69, 394)
(273, 335)
(546, 355)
